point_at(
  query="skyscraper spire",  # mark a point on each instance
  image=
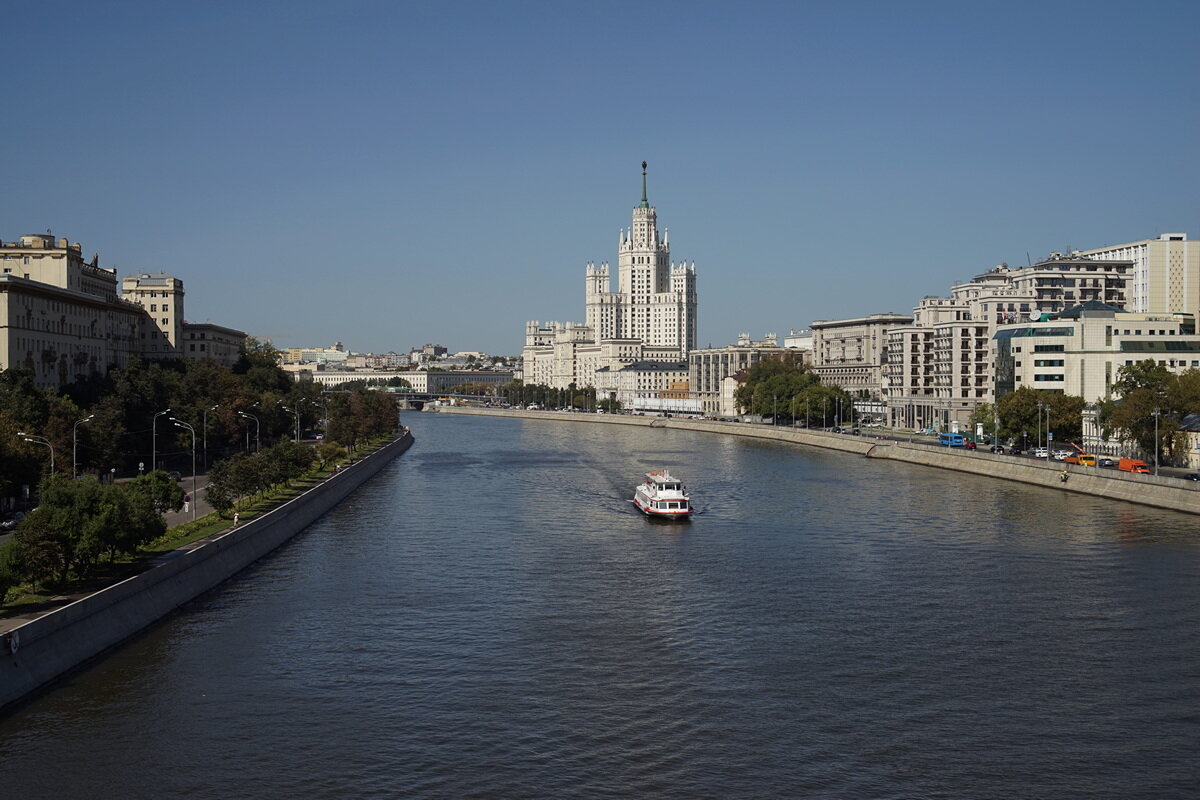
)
(645, 203)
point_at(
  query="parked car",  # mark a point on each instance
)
(1040, 452)
(1106, 462)
(1191, 476)
(175, 476)
(11, 520)
(1061, 455)
(927, 432)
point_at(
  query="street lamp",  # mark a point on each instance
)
(257, 431)
(774, 409)
(28, 437)
(154, 439)
(1157, 414)
(205, 424)
(75, 444)
(295, 411)
(181, 424)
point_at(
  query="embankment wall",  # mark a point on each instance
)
(1161, 492)
(61, 640)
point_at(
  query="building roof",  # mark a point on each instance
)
(1074, 312)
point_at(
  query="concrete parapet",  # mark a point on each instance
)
(61, 640)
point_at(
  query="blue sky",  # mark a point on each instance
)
(388, 174)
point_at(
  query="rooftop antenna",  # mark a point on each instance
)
(1028, 260)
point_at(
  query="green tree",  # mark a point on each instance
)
(160, 489)
(770, 386)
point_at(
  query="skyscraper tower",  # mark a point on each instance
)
(655, 300)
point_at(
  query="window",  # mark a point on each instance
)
(154, 306)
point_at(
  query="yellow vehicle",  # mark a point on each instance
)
(1082, 459)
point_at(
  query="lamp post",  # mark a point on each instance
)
(1157, 414)
(28, 437)
(154, 439)
(205, 425)
(181, 424)
(257, 431)
(295, 411)
(774, 409)
(1039, 422)
(75, 444)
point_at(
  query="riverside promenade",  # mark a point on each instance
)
(1163, 492)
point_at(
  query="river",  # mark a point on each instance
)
(490, 618)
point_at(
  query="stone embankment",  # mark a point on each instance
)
(1161, 492)
(37, 651)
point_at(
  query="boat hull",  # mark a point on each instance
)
(668, 515)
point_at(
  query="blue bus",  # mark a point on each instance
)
(952, 439)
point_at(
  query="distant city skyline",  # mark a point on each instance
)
(391, 174)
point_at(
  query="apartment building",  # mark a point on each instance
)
(939, 368)
(161, 327)
(1165, 274)
(851, 353)
(65, 319)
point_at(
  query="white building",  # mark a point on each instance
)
(651, 316)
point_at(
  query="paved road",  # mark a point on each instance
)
(197, 504)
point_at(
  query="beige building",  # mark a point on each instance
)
(1165, 273)
(64, 318)
(851, 353)
(1080, 350)
(206, 340)
(940, 367)
(60, 316)
(161, 327)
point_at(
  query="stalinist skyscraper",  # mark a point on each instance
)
(655, 301)
(639, 335)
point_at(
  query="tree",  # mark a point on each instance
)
(160, 490)
(1152, 401)
(11, 569)
(770, 386)
(611, 405)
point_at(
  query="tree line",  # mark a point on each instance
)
(245, 420)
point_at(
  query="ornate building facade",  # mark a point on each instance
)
(650, 317)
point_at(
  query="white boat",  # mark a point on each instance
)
(662, 496)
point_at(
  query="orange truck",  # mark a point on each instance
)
(1133, 465)
(1082, 459)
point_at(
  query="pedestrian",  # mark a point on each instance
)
(235, 519)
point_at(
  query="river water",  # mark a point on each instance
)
(490, 618)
